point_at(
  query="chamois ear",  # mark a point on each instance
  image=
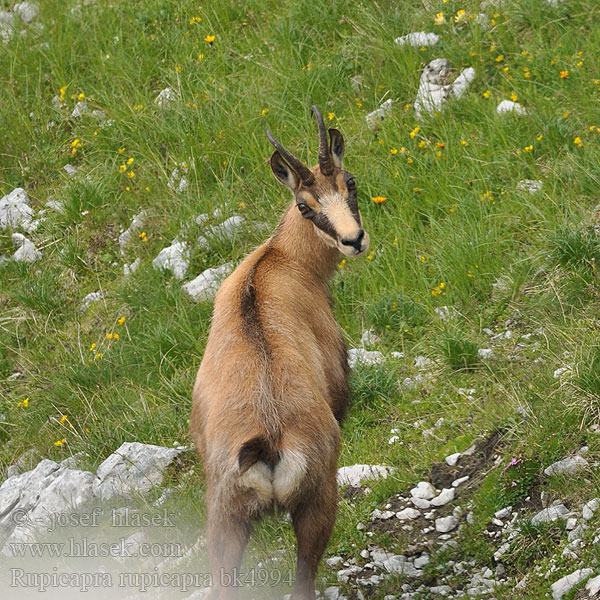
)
(284, 172)
(336, 147)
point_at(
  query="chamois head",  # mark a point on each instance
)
(325, 194)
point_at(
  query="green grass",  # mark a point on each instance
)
(454, 231)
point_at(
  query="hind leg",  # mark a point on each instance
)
(313, 519)
(228, 530)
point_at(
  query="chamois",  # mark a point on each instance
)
(272, 388)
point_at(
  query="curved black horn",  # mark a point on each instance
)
(301, 169)
(325, 162)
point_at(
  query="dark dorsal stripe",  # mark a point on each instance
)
(251, 324)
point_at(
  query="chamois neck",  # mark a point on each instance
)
(297, 238)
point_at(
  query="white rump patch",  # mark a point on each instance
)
(289, 473)
(259, 478)
(278, 484)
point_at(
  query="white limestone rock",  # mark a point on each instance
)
(589, 508)
(81, 108)
(225, 231)
(15, 211)
(529, 185)
(408, 514)
(565, 584)
(418, 38)
(445, 313)
(133, 468)
(568, 466)
(70, 170)
(137, 224)
(421, 503)
(364, 357)
(56, 205)
(178, 181)
(378, 115)
(354, 475)
(558, 373)
(207, 284)
(7, 21)
(27, 11)
(507, 106)
(174, 258)
(382, 515)
(164, 98)
(131, 268)
(452, 459)
(20, 493)
(552, 513)
(460, 480)
(67, 490)
(446, 524)
(26, 250)
(89, 299)
(435, 86)
(485, 353)
(400, 565)
(425, 490)
(445, 496)
(592, 587)
(369, 338)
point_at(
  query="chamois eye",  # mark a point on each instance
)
(351, 184)
(304, 209)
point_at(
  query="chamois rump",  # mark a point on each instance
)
(272, 388)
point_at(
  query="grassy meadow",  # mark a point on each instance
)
(454, 231)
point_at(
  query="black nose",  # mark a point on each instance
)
(356, 242)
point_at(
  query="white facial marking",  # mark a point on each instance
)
(336, 209)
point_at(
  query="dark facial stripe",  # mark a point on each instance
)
(324, 224)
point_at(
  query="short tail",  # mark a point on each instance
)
(258, 449)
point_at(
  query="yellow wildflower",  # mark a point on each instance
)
(122, 168)
(577, 141)
(209, 39)
(486, 94)
(121, 150)
(129, 160)
(393, 150)
(331, 116)
(461, 16)
(500, 58)
(131, 174)
(121, 320)
(513, 97)
(60, 442)
(439, 19)
(564, 74)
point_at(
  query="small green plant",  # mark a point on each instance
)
(461, 354)
(576, 247)
(395, 312)
(589, 373)
(517, 479)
